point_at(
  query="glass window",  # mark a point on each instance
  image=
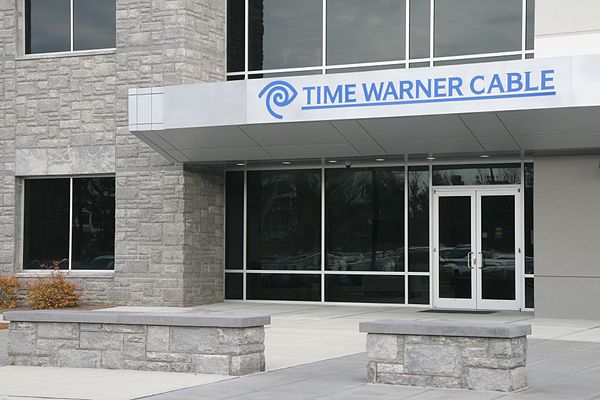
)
(529, 293)
(284, 220)
(93, 24)
(477, 26)
(364, 289)
(234, 286)
(365, 219)
(293, 287)
(234, 220)
(530, 31)
(284, 34)
(47, 235)
(93, 223)
(420, 22)
(365, 31)
(418, 219)
(236, 29)
(47, 26)
(418, 290)
(484, 174)
(529, 218)
(46, 223)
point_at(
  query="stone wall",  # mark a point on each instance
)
(7, 135)
(450, 362)
(160, 252)
(205, 350)
(67, 114)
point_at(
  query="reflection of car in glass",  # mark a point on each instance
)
(102, 262)
(456, 258)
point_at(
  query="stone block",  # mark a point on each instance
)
(21, 342)
(496, 379)
(425, 359)
(169, 357)
(158, 338)
(32, 361)
(210, 364)
(134, 337)
(239, 350)
(385, 348)
(58, 330)
(49, 347)
(101, 340)
(134, 351)
(76, 358)
(185, 339)
(236, 336)
(372, 371)
(384, 368)
(247, 364)
(112, 359)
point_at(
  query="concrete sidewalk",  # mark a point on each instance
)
(303, 334)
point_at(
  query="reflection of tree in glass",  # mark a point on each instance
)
(365, 218)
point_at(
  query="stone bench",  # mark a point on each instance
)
(489, 356)
(153, 341)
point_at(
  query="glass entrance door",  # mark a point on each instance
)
(476, 250)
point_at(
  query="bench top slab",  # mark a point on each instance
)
(139, 318)
(446, 328)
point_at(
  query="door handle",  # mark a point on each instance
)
(470, 260)
(481, 258)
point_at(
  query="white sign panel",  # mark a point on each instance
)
(510, 85)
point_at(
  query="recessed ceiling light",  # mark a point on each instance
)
(380, 159)
(430, 158)
(485, 156)
(240, 164)
(286, 162)
(332, 161)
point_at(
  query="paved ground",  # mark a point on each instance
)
(557, 370)
(306, 358)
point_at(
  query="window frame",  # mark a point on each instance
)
(243, 271)
(407, 62)
(71, 33)
(21, 249)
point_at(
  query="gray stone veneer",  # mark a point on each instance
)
(476, 356)
(66, 114)
(139, 341)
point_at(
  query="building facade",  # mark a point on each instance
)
(429, 153)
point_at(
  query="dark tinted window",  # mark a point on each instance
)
(365, 31)
(93, 24)
(93, 223)
(530, 31)
(283, 287)
(364, 288)
(529, 218)
(418, 219)
(529, 293)
(234, 220)
(47, 26)
(418, 290)
(235, 35)
(484, 174)
(234, 286)
(477, 26)
(365, 219)
(284, 220)
(284, 34)
(46, 223)
(420, 22)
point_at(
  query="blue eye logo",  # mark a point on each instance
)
(279, 94)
